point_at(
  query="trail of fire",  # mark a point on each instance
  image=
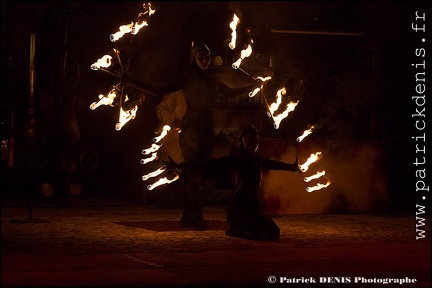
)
(278, 118)
(106, 61)
(306, 133)
(133, 28)
(312, 159)
(125, 116)
(104, 100)
(233, 26)
(319, 186)
(162, 181)
(164, 132)
(153, 148)
(315, 176)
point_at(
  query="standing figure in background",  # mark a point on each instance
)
(201, 90)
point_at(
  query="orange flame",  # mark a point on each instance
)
(104, 100)
(125, 116)
(153, 157)
(153, 148)
(315, 176)
(164, 132)
(103, 62)
(162, 181)
(153, 174)
(305, 133)
(319, 186)
(243, 54)
(233, 26)
(312, 159)
(278, 118)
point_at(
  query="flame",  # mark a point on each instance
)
(278, 118)
(125, 116)
(153, 157)
(164, 132)
(153, 148)
(306, 133)
(133, 28)
(103, 62)
(315, 176)
(162, 181)
(274, 106)
(319, 186)
(233, 26)
(312, 158)
(243, 54)
(153, 174)
(104, 100)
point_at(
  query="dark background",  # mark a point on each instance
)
(358, 87)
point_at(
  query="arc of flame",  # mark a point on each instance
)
(153, 174)
(275, 105)
(133, 28)
(312, 158)
(243, 54)
(278, 118)
(153, 148)
(153, 157)
(162, 181)
(104, 62)
(125, 116)
(306, 133)
(164, 132)
(315, 176)
(319, 186)
(233, 26)
(104, 100)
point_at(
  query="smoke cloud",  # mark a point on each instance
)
(356, 170)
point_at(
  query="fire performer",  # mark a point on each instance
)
(244, 214)
(201, 90)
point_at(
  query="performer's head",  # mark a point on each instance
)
(249, 139)
(200, 56)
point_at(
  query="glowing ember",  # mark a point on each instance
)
(153, 174)
(315, 176)
(103, 62)
(319, 186)
(162, 181)
(312, 158)
(233, 26)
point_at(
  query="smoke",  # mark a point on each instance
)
(356, 170)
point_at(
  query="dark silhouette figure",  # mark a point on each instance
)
(244, 214)
(201, 90)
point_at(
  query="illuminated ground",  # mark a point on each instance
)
(111, 244)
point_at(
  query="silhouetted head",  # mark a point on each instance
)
(200, 55)
(249, 138)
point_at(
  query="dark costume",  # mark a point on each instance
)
(244, 214)
(201, 91)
